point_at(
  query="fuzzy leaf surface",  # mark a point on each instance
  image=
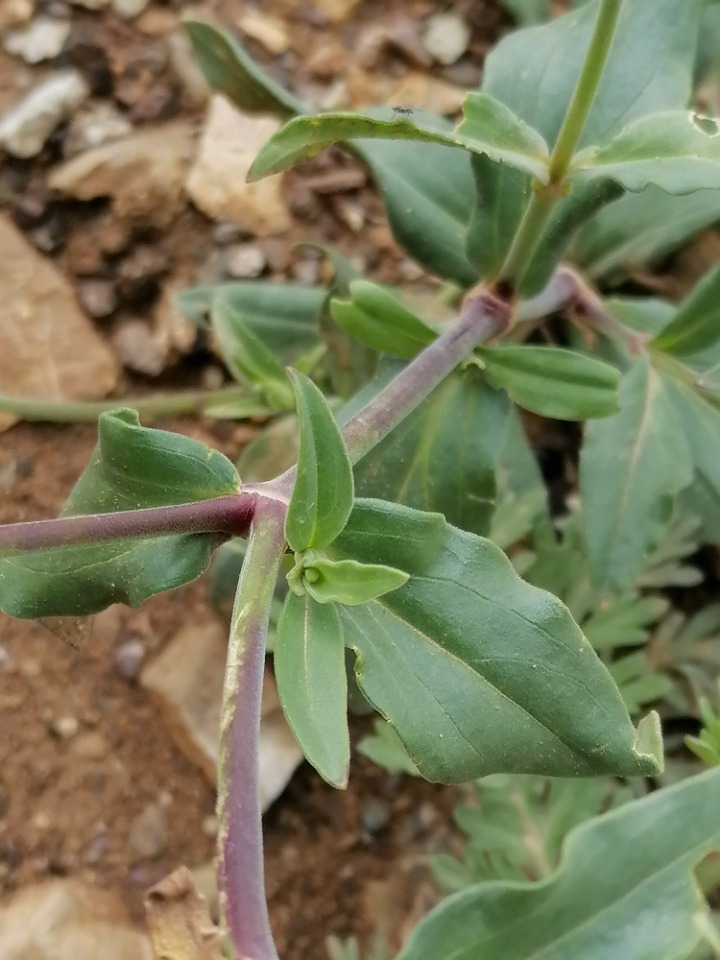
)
(443, 456)
(553, 382)
(477, 671)
(131, 467)
(309, 661)
(632, 467)
(375, 317)
(323, 493)
(646, 906)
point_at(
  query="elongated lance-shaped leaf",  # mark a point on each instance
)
(632, 467)
(696, 325)
(229, 69)
(625, 888)
(488, 127)
(247, 356)
(640, 229)
(675, 151)
(349, 582)
(378, 319)
(477, 671)
(132, 467)
(323, 493)
(309, 661)
(553, 382)
(443, 457)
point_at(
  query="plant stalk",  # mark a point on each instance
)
(239, 811)
(545, 196)
(158, 405)
(229, 515)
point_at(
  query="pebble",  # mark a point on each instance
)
(129, 9)
(148, 832)
(25, 129)
(446, 37)
(138, 349)
(129, 658)
(97, 298)
(42, 39)
(65, 728)
(91, 4)
(244, 260)
(374, 816)
(90, 745)
(95, 124)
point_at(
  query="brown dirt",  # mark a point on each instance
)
(344, 863)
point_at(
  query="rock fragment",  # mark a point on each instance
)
(26, 128)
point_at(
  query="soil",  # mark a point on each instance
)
(84, 750)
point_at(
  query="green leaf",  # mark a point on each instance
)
(632, 467)
(488, 128)
(323, 493)
(477, 671)
(624, 888)
(384, 747)
(443, 456)
(641, 229)
(670, 150)
(284, 316)
(700, 425)
(349, 582)
(132, 467)
(309, 661)
(529, 12)
(246, 355)
(696, 325)
(377, 319)
(230, 70)
(552, 56)
(553, 382)
(428, 195)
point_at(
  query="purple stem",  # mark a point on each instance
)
(231, 514)
(241, 844)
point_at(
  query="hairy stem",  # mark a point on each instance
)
(158, 405)
(545, 196)
(239, 811)
(231, 514)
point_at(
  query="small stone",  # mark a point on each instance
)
(446, 37)
(216, 183)
(93, 125)
(129, 9)
(143, 173)
(48, 347)
(129, 658)
(42, 39)
(91, 4)
(148, 832)
(209, 826)
(271, 32)
(65, 728)
(97, 298)
(374, 816)
(140, 272)
(244, 260)
(227, 233)
(68, 920)
(336, 10)
(90, 745)
(15, 13)
(138, 348)
(25, 128)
